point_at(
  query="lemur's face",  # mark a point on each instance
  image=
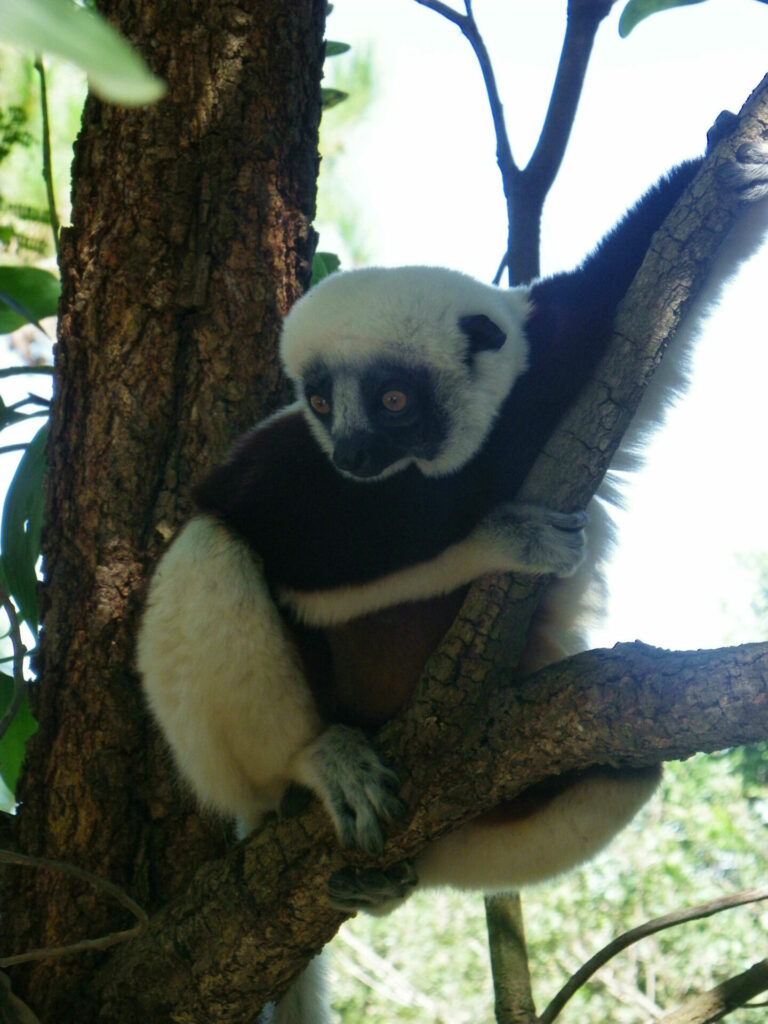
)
(377, 419)
(401, 367)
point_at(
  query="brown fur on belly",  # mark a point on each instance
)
(363, 672)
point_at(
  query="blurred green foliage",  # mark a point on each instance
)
(24, 218)
(700, 838)
(341, 220)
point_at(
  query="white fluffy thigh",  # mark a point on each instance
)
(568, 830)
(221, 675)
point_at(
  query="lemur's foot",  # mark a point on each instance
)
(375, 890)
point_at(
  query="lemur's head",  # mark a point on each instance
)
(405, 365)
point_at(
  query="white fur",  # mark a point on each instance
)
(460, 563)
(457, 565)
(568, 830)
(306, 1001)
(220, 674)
(411, 315)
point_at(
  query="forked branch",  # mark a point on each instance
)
(525, 190)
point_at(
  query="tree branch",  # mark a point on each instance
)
(105, 941)
(466, 22)
(719, 1001)
(513, 993)
(445, 11)
(525, 191)
(249, 920)
(528, 189)
(584, 17)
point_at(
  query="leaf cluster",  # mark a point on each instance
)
(13, 130)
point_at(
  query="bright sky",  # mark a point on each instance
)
(421, 169)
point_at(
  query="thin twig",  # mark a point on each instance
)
(445, 11)
(658, 924)
(19, 652)
(29, 400)
(507, 166)
(47, 162)
(8, 448)
(525, 190)
(112, 939)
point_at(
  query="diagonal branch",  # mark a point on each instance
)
(105, 941)
(468, 25)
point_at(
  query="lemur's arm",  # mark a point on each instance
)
(511, 538)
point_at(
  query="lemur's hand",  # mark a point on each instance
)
(533, 539)
(747, 173)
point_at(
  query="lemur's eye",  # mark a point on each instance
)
(394, 401)
(321, 405)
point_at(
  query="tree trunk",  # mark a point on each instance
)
(191, 238)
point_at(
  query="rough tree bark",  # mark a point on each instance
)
(191, 238)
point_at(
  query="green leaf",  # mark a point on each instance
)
(330, 97)
(26, 294)
(9, 416)
(82, 36)
(323, 264)
(637, 10)
(20, 529)
(13, 743)
(333, 49)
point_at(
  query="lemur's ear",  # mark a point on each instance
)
(482, 332)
